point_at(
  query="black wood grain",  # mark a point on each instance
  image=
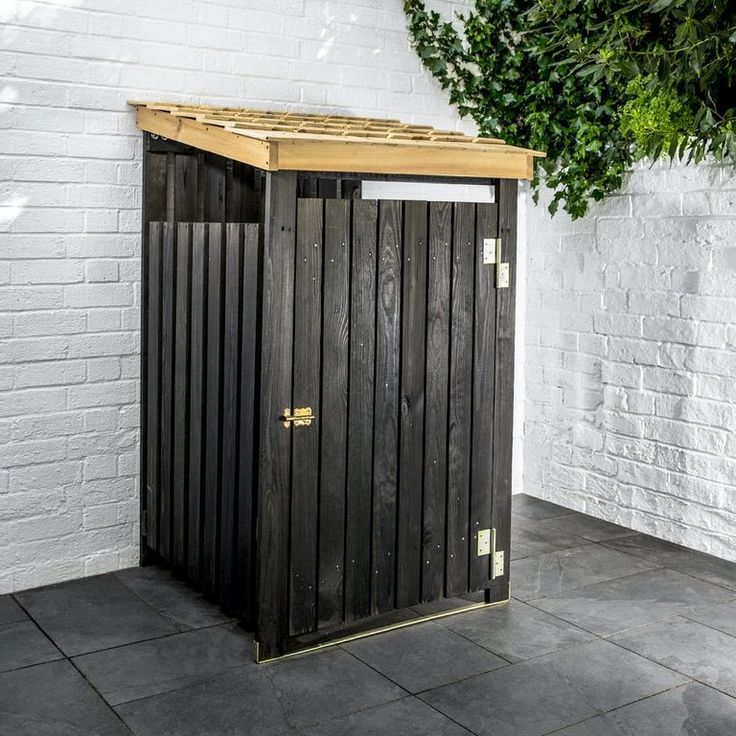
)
(153, 384)
(305, 440)
(166, 422)
(333, 420)
(243, 597)
(435, 420)
(213, 405)
(197, 407)
(275, 395)
(233, 191)
(361, 402)
(185, 188)
(387, 406)
(504, 380)
(230, 406)
(481, 483)
(181, 396)
(460, 400)
(214, 188)
(411, 431)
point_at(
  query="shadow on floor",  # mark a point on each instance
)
(609, 633)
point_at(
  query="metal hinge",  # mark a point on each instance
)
(492, 256)
(487, 546)
(301, 417)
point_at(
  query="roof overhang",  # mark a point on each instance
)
(329, 143)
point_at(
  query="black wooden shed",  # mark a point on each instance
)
(327, 380)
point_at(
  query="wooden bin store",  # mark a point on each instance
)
(327, 380)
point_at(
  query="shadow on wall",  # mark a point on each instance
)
(631, 357)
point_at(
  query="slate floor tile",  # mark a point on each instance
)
(172, 598)
(722, 617)
(690, 710)
(423, 656)
(53, 699)
(588, 527)
(23, 644)
(552, 691)
(10, 611)
(536, 508)
(516, 631)
(169, 663)
(555, 572)
(91, 614)
(529, 537)
(697, 651)
(406, 717)
(699, 565)
(636, 600)
(265, 700)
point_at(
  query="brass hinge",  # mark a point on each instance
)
(492, 256)
(487, 546)
(301, 417)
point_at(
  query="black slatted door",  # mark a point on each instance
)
(380, 321)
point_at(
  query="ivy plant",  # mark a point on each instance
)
(596, 84)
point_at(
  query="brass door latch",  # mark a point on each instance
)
(301, 417)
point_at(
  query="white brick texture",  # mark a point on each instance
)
(630, 403)
(70, 199)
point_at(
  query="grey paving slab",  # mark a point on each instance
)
(689, 710)
(536, 508)
(172, 598)
(266, 700)
(159, 665)
(693, 649)
(706, 567)
(636, 600)
(555, 572)
(91, 614)
(531, 537)
(516, 631)
(10, 611)
(406, 717)
(424, 656)
(53, 699)
(552, 691)
(23, 644)
(722, 617)
(588, 527)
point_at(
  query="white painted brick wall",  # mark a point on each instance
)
(69, 224)
(630, 362)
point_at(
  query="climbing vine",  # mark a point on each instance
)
(597, 84)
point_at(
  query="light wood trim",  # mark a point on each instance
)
(207, 138)
(387, 158)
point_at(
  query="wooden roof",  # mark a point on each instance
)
(333, 143)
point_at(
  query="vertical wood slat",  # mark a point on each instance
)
(460, 402)
(185, 188)
(386, 423)
(197, 406)
(243, 598)
(334, 411)
(411, 433)
(213, 404)
(481, 482)
(181, 390)
(361, 408)
(153, 381)
(435, 418)
(305, 440)
(214, 188)
(504, 381)
(230, 403)
(275, 394)
(166, 421)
